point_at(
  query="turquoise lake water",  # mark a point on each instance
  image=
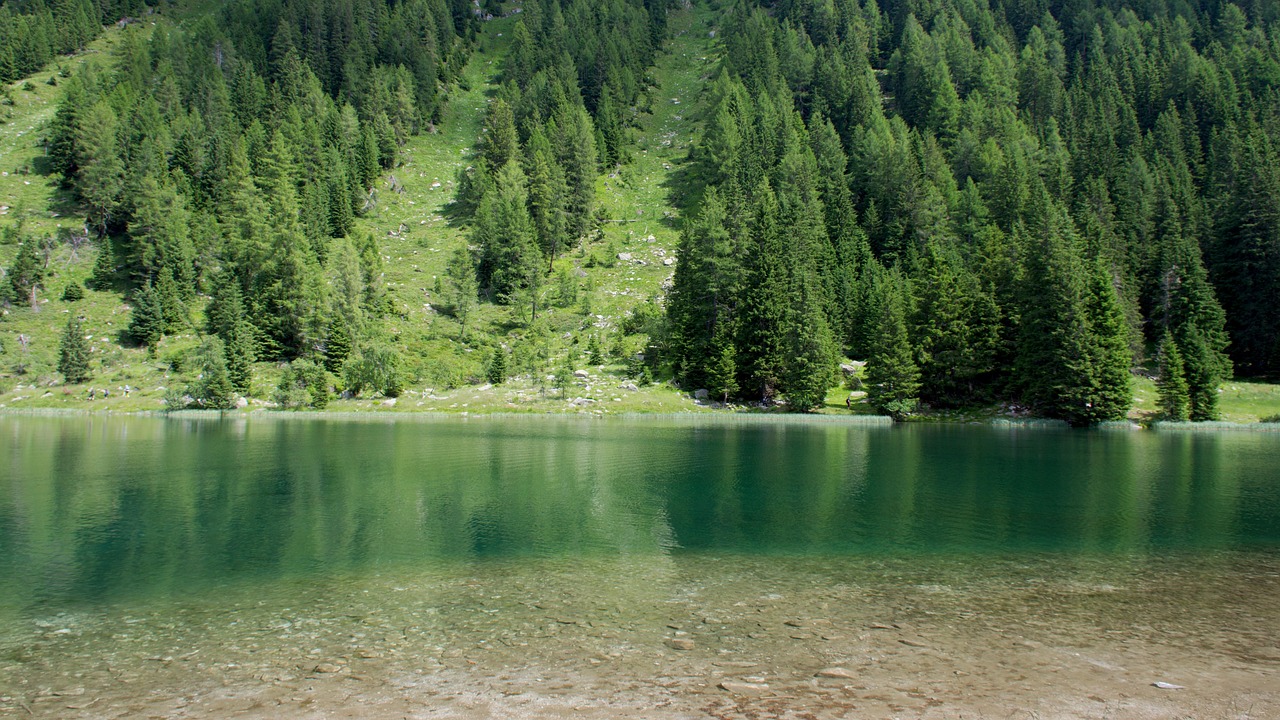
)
(105, 520)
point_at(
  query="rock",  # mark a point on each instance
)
(700, 394)
(624, 257)
(680, 643)
(629, 386)
(735, 664)
(327, 668)
(389, 402)
(668, 261)
(835, 672)
(851, 368)
(912, 643)
(743, 688)
(1167, 686)
(242, 402)
(581, 374)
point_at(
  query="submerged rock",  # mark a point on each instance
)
(744, 688)
(836, 672)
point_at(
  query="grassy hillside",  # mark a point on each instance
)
(592, 290)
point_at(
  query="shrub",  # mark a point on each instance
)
(73, 292)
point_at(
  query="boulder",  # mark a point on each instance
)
(700, 394)
(836, 672)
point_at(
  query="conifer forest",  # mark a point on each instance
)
(1061, 208)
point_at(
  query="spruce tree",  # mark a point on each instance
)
(1112, 360)
(510, 260)
(337, 346)
(764, 306)
(26, 274)
(1067, 369)
(811, 353)
(103, 275)
(1174, 397)
(171, 305)
(73, 354)
(594, 354)
(463, 290)
(213, 388)
(241, 352)
(497, 371)
(146, 322)
(722, 370)
(704, 290)
(893, 379)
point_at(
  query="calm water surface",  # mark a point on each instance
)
(137, 538)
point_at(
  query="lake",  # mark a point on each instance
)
(664, 567)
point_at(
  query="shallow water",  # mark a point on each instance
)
(534, 567)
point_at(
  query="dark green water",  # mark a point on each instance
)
(97, 510)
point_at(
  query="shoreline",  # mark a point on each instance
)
(707, 417)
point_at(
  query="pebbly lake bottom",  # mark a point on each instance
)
(679, 635)
(664, 568)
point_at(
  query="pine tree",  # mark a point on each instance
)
(213, 388)
(1073, 341)
(103, 275)
(594, 354)
(548, 192)
(722, 370)
(146, 322)
(704, 290)
(764, 307)
(509, 257)
(26, 274)
(499, 143)
(241, 352)
(337, 347)
(811, 354)
(577, 148)
(564, 376)
(171, 305)
(893, 379)
(1174, 397)
(1111, 358)
(73, 354)
(497, 371)
(100, 178)
(463, 290)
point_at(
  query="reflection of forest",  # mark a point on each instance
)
(95, 508)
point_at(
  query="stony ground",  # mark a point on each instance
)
(680, 637)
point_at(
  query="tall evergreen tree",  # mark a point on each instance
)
(1174, 399)
(73, 354)
(893, 378)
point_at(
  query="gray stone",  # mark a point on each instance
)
(700, 394)
(580, 374)
(836, 672)
(743, 688)
(680, 643)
